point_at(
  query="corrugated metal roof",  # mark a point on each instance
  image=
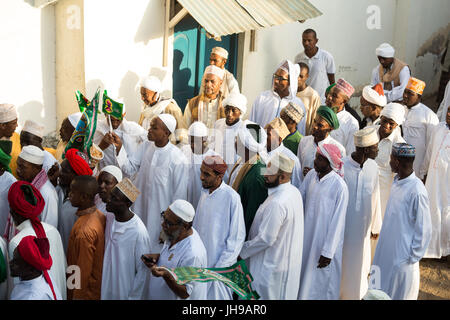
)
(223, 17)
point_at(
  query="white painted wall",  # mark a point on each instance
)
(124, 42)
(27, 61)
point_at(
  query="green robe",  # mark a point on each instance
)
(253, 193)
(292, 141)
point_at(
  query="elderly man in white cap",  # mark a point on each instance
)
(8, 125)
(107, 179)
(225, 129)
(392, 73)
(30, 169)
(363, 219)
(274, 247)
(32, 134)
(183, 247)
(218, 58)
(155, 104)
(131, 134)
(267, 106)
(219, 220)
(161, 174)
(195, 152)
(126, 240)
(372, 102)
(325, 198)
(207, 107)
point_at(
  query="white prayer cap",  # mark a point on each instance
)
(151, 83)
(220, 51)
(236, 100)
(374, 97)
(128, 189)
(211, 69)
(280, 161)
(74, 118)
(114, 171)
(248, 140)
(366, 137)
(8, 112)
(32, 154)
(183, 210)
(33, 128)
(376, 295)
(394, 111)
(385, 50)
(169, 121)
(198, 129)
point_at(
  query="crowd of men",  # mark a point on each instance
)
(320, 203)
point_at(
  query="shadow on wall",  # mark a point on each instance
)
(129, 94)
(91, 87)
(150, 26)
(30, 111)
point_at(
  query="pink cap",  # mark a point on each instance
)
(345, 87)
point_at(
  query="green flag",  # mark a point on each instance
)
(237, 277)
(83, 103)
(83, 135)
(111, 107)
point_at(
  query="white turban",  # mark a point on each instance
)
(8, 112)
(236, 100)
(198, 129)
(74, 118)
(394, 111)
(220, 51)
(33, 128)
(374, 97)
(385, 50)
(152, 83)
(366, 137)
(114, 171)
(211, 69)
(246, 138)
(183, 210)
(32, 154)
(169, 121)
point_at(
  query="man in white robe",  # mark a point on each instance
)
(445, 103)
(406, 231)
(268, 105)
(325, 197)
(195, 152)
(273, 250)
(30, 169)
(339, 95)
(419, 122)
(107, 179)
(183, 247)
(219, 220)
(6, 180)
(126, 240)
(363, 218)
(436, 162)
(5, 270)
(161, 174)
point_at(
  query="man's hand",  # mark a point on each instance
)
(106, 141)
(162, 272)
(150, 259)
(323, 262)
(117, 142)
(374, 236)
(305, 171)
(53, 174)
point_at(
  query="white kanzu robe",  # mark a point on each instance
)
(66, 217)
(4, 284)
(50, 212)
(363, 218)
(348, 125)
(161, 178)
(437, 162)
(274, 248)
(223, 141)
(404, 238)
(35, 289)
(417, 129)
(124, 273)
(219, 220)
(325, 202)
(6, 180)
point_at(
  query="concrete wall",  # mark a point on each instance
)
(27, 61)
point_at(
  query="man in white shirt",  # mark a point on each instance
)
(339, 95)
(183, 247)
(273, 250)
(219, 220)
(126, 240)
(320, 62)
(392, 73)
(419, 122)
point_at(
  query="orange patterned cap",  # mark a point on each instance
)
(416, 85)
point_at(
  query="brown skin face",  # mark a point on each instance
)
(148, 97)
(410, 98)
(106, 183)
(27, 171)
(385, 62)
(336, 99)
(232, 115)
(281, 83)
(212, 86)
(20, 268)
(322, 165)
(216, 60)
(117, 202)
(198, 144)
(115, 123)
(29, 139)
(321, 129)
(7, 129)
(66, 174)
(394, 163)
(210, 179)
(273, 139)
(448, 116)
(386, 127)
(66, 130)
(291, 124)
(158, 131)
(309, 42)
(302, 79)
(171, 224)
